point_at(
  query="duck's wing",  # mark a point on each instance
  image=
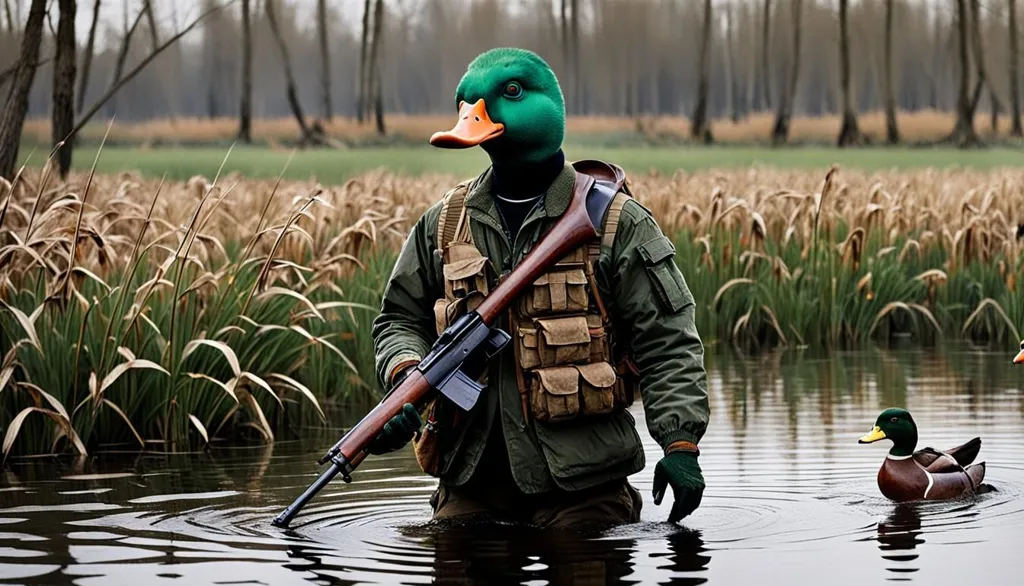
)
(966, 453)
(937, 462)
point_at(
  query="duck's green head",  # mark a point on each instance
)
(511, 105)
(898, 426)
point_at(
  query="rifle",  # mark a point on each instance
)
(472, 337)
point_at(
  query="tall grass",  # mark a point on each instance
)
(165, 315)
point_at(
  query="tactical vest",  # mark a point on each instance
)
(567, 362)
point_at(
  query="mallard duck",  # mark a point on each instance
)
(1020, 356)
(926, 474)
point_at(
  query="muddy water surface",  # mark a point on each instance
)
(791, 499)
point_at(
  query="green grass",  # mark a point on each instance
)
(334, 166)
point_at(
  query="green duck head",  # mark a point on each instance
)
(1020, 357)
(510, 104)
(897, 426)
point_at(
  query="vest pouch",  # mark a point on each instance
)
(446, 312)
(563, 340)
(597, 388)
(558, 291)
(628, 384)
(600, 350)
(555, 393)
(465, 271)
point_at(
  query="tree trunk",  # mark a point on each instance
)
(375, 59)
(122, 58)
(566, 51)
(892, 133)
(292, 94)
(245, 102)
(780, 130)
(364, 73)
(577, 77)
(325, 63)
(1016, 130)
(963, 132)
(766, 31)
(731, 102)
(12, 118)
(849, 132)
(154, 37)
(700, 130)
(10, 18)
(90, 45)
(63, 113)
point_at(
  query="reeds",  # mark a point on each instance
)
(148, 314)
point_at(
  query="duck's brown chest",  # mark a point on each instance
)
(902, 480)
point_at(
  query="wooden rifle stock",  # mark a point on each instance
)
(575, 228)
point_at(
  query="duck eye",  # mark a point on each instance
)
(895, 420)
(512, 90)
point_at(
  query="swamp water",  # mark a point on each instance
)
(791, 499)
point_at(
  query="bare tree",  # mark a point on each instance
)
(892, 133)
(780, 130)
(63, 111)
(364, 69)
(10, 18)
(154, 31)
(325, 63)
(375, 60)
(16, 107)
(577, 76)
(122, 55)
(731, 101)
(766, 30)
(1016, 129)
(245, 99)
(566, 45)
(963, 132)
(293, 96)
(849, 132)
(700, 129)
(90, 46)
(87, 115)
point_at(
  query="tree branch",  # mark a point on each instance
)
(142, 65)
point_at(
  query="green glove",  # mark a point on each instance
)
(397, 432)
(682, 472)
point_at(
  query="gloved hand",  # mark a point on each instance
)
(397, 432)
(682, 472)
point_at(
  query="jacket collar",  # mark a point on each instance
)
(556, 199)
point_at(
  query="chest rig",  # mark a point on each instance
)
(568, 365)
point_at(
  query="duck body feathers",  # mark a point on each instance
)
(930, 474)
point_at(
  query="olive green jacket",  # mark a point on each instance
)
(651, 308)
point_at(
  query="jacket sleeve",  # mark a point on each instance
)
(653, 309)
(404, 329)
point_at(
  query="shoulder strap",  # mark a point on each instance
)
(611, 223)
(452, 210)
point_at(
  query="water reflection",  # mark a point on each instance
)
(898, 537)
(788, 489)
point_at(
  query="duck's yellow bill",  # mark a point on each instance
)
(1020, 358)
(474, 127)
(875, 435)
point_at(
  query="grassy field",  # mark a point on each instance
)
(336, 166)
(168, 315)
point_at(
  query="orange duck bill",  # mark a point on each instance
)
(474, 127)
(1020, 357)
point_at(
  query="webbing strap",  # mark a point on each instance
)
(611, 224)
(451, 211)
